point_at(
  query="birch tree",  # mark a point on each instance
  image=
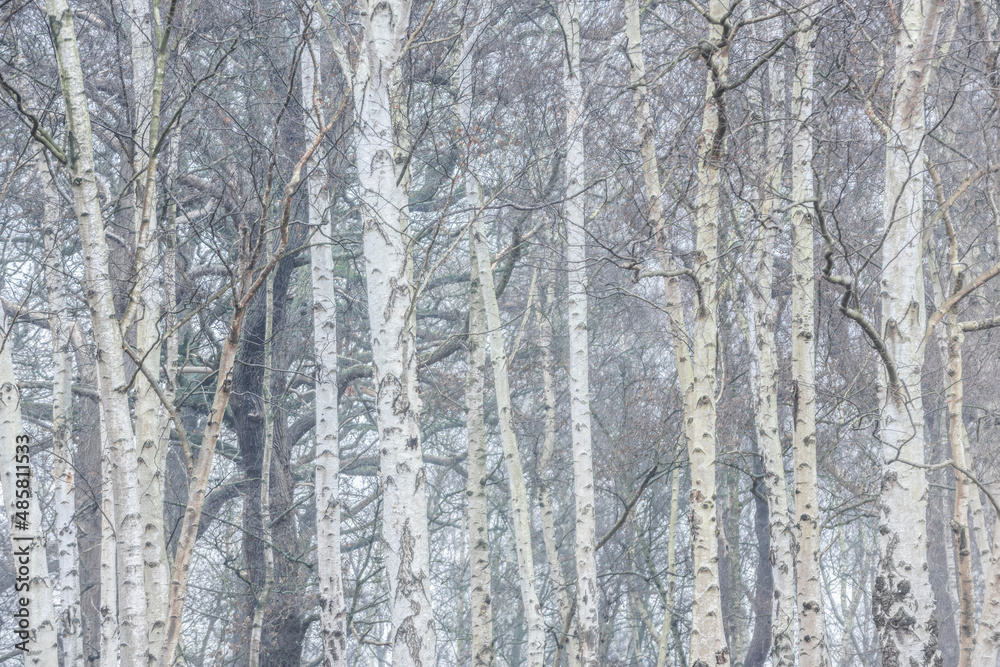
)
(112, 382)
(333, 612)
(70, 628)
(33, 588)
(902, 597)
(587, 592)
(812, 633)
(388, 272)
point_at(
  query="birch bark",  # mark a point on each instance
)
(123, 456)
(708, 641)
(405, 532)
(696, 369)
(483, 653)
(31, 571)
(481, 598)
(70, 619)
(145, 307)
(587, 593)
(902, 599)
(535, 650)
(813, 651)
(780, 526)
(333, 613)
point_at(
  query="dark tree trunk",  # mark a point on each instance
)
(283, 630)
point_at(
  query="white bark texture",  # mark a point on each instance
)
(394, 355)
(708, 640)
(812, 648)
(781, 527)
(333, 613)
(146, 306)
(903, 603)
(481, 597)
(68, 590)
(521, 515)
(31, 569)
(483, 653)
(546, 508)
(110, 639)
(107, 336)
(696, 369)
(587, 591)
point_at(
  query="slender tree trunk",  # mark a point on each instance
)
(70, 620)
(565, 643)
(333, 613)
(668, 616)
(483, 653)
(696, 370)
(587, 592)
(535, 652)
(903, 600)
(481, 597)
(708, 641)
(267, 539)
(781, 529)
(112, 383)
(110, 637)
(21, 496)
(148, 297)
(960, 523)
(813, 651)
(405, 532)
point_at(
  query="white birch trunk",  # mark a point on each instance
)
(902, 600)
(545, 503)
(148, 298)
(587, 591)
(708, 639)
(696, 370)
(70, 619)
(333, 613)
(481, 595)
(762, 339)
(405, 532)
(535, 650)
(813, 651)
(32, 583)
(110, 638)
(668, 615)
(107, 335)
(483, 653)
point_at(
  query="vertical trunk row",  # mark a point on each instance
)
(587, 592)
(812, 636)
(70, 620)
(333, 613)
(24, 516)
(902, 599)
(112, 382)
(384, 213)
